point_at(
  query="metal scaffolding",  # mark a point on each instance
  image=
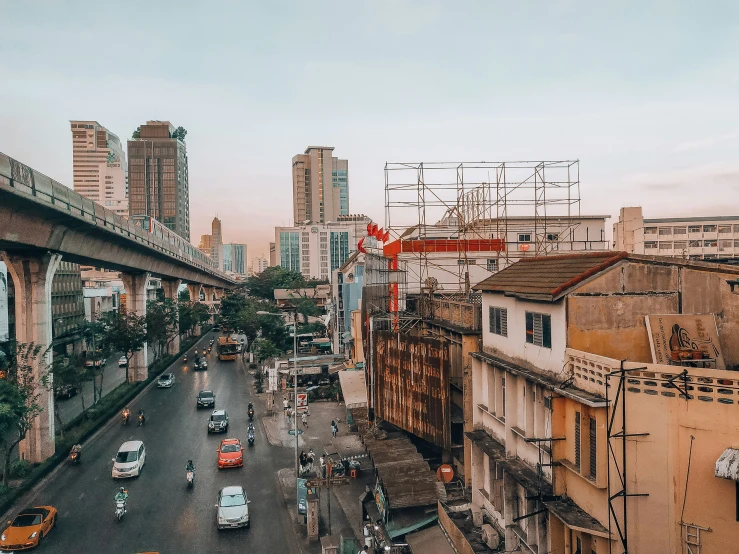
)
(479, 208)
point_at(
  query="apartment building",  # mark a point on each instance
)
(99, 168)
(589, 354)
(695, 238)
(320, 186)
(316, 250)
(158, 176)
(259, 264)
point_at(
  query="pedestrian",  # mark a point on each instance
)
(289, 416)
(305, 420)
(334, 428)
(285, 404)
(322, 461)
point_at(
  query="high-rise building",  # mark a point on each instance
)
(233, 258)
(158, 176)
(211, 244)
(315, 250)
(320, 186)
(259, 264)
(99, 168)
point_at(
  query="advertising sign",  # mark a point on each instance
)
(679, 339)
(302, 402)
(380, 500)
(272, 386)
(4, 329)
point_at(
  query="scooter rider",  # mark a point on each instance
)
(190, 466)
(76, 449)
(142, 418)
(122, 496)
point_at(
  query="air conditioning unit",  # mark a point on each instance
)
(490, 536)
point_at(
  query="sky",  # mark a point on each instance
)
(643, 94)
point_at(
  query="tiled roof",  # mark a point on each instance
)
(548, 277)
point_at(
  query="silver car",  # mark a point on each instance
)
(232, 508)
(166, 380)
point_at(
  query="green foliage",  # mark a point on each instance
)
(191, 315)
(184, 295)
(124, 332)
(180, 133)
(315, 328)
(307, 307)
(273, 329)
(264, 284)
(20, 468)
(161, 324)
(137, 133)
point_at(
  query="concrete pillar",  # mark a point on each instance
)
(210, 293)
(171, 288)
(32, 278)
(135, 284)
(219, 293)
(194, 290)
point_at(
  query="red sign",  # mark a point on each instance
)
(302, 402)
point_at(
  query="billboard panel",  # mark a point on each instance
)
(412, 384)
(681, 339)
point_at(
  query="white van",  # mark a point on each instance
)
(130, 460)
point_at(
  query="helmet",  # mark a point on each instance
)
(189, 462)
(122, 489)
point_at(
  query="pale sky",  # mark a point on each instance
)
(644, 94)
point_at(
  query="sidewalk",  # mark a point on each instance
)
(342, 500)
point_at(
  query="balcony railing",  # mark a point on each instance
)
(465, 313)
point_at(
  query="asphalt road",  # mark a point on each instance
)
(163, 514)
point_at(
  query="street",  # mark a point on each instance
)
(163, 514)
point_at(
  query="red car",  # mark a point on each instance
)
(230, 454)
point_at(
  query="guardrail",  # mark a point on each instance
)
(22, 180)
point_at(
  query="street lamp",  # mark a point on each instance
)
(295, 386)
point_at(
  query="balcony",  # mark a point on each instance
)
(464, 312)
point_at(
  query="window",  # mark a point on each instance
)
(524, 237)
(665, 231)
(552, 236)
(709, 228)
(694, 243)
(711, 243)
(539, 329)
(694, 229)
(723, 229)
(492, 266)
(577, 439)
(650, 230)
(678, 230)
(664, 245)
(593, 457)
(652, 244)
(499, 321)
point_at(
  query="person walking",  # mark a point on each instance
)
(305, 420)
(289, 416)
(322, 461)
(334, 428)
(285, 405)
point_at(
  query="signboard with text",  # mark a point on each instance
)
(272, 386)
(678, 339)
(302, 402)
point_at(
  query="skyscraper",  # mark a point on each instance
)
(99, 168)
(158, 176)
(320, 186)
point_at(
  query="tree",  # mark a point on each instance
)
(264, 284)
(273, 329)
(264, 349)
(161, 324)
(306, 307)
(137, 133)
(97, 350)
(20, 398)
(124, 332)
(184, 295)
(179, 133)
(65, 371)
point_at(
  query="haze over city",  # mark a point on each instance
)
(643, 95)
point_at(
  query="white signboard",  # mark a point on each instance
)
(302, 402)
(272, 386)
(4, 329)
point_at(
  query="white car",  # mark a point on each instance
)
(122, 361)
(130, 460)
(165, 380)
(233, 508)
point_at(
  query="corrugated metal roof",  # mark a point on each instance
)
(548, 277)
(727, 466)
(353, 387)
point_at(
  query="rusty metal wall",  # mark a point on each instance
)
(412, 384)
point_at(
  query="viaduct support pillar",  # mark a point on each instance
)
(210, 301)
(194, 290)
(135, 285)
(171, 288)
(32, 278)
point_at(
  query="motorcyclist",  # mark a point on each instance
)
(122, 496)
(76, 449)
(142, 418)
(190, 466)
(126, 413)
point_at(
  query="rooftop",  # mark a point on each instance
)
(702, 219)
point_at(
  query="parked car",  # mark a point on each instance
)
(324, 382)
(165, 380)
(122, 361)
(218, 422)
(232, 508)
(130, 460)
(28, 528)
(66, 391)
(230, 454)
(206, 399)
(95, 363)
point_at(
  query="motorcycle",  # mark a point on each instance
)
(250, 438)
(142, 419)
(190, 474)
(251, 414)
(209, 350)
(126, 414)
(74, 457)
(184, 359)
(120, 508)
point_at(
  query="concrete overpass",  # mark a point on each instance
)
(43, 222)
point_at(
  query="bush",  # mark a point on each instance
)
(19, 469)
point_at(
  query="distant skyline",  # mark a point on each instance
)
(643, 94)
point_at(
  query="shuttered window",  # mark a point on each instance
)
(577, 439)
(499, 321)
(593, 450)
(539, 329)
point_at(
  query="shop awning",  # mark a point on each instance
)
(408, 527)
(429, 541)
(354, 388)
(727, 466)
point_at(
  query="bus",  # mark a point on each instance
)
(227, 348)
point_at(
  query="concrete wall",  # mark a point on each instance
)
(605, 316)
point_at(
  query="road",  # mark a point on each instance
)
(163, 514)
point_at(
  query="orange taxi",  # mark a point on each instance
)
(28, 528)
(230, 454)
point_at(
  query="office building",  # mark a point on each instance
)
(99, 168)
(259, 264)
(158, 176)
(317, 250)
(232, 258)
(695, 238)
(320, 186)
